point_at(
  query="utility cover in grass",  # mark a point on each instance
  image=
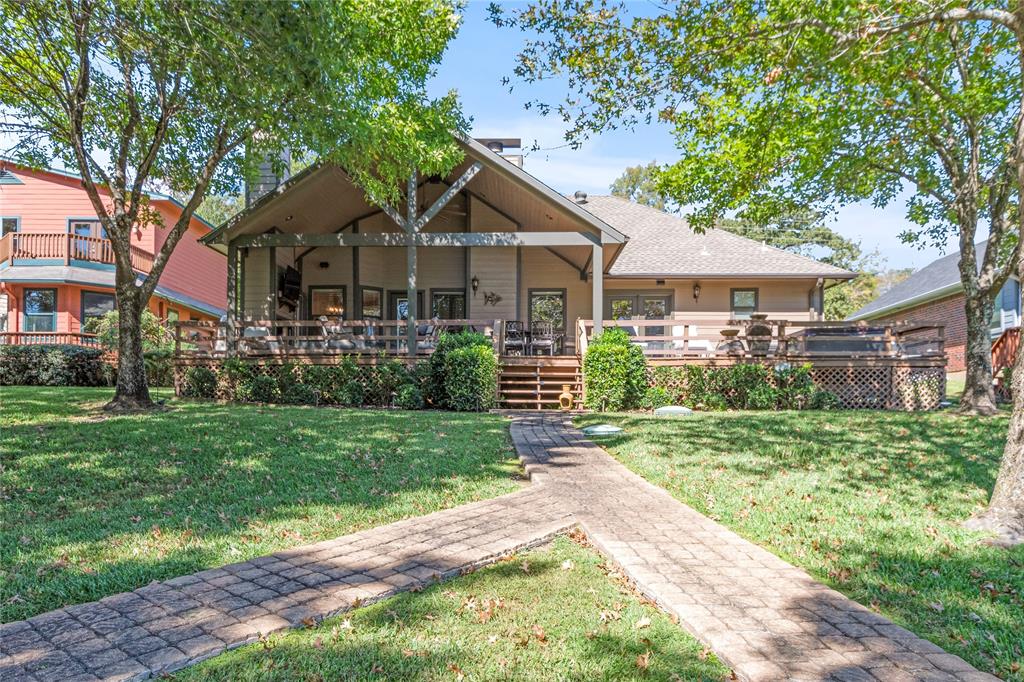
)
(673, 411)
(601, 430)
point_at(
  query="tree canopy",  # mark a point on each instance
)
(190, 95)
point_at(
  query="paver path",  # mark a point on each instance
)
(762, 616)
(765, 618)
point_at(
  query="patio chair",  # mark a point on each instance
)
(336, 338)
(430, 331)
(515, 338)
(542, 337)
(252, 338)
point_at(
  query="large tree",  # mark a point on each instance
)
(191, 94)
(791, 105)
(784, 107)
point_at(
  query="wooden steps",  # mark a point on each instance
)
(535, 382)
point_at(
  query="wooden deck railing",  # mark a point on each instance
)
(1005, 349)
(47, 338)
(66, 248)
(800, 338)
(298, 338)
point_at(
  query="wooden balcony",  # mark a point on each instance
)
(17, 247)
(48, 339)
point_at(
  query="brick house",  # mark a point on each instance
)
(934, 294)
(57, 266)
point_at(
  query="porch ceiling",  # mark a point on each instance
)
(324, 200)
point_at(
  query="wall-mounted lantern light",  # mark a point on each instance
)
(696, 290)
(475, 283)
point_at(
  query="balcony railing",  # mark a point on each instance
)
(24, 246)
(48, 339)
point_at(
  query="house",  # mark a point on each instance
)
(317, 271)
(499, 245)
(934, 294)
(57, 267)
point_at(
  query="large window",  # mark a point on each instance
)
(40, 310)
(9, 225)
(743, 303)
(328, 301)
(95, 305)
(448, 305)
(371, 303)
(1007, 305)
(548, 305)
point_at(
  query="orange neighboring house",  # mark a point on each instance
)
(57, 267)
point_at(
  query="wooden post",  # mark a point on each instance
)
(410, 265)
(782, 346)
(232, 300)
(67, 249)
(597, 268)
(499, 335)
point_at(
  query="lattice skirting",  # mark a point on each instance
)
(879, 387)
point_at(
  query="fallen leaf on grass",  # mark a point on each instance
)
(318, 643)
(567, 565)
(525, 566)
(459, 675)
(643, 660)
(540, 635)
(644, 622)
(704, 653)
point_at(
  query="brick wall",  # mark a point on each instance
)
(948, 311)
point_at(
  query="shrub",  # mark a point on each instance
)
(200, 382)
(329, 381)
(409, 397)
(655, 397)
(351, 394)
(155, 335)
(159, 367)
(615, 372)
(382, 381)
(479, 368)
(298, 394)
(56, 365)
(257, 388)
(824, 400)
(794, 385)
(741, 387)
(471, 378)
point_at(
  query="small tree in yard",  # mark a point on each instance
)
(791, 106)
(190, 94)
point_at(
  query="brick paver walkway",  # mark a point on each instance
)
(765, 618)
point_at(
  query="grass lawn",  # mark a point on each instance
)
(95, 505)
(868, 502)
(955, 386)
(564, 619)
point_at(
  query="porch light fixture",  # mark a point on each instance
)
(324, 265)
(287, 218)
(696, 290)
(475, 283)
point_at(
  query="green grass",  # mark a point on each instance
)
(547, 625)
(94, 505)
(869, 502)
(955, 386)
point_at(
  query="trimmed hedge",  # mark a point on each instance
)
(56, 365)
(614, 372)
(462, 373)
(743, 387)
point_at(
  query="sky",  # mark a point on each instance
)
(482, 55)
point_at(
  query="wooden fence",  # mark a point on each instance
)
(65, 247)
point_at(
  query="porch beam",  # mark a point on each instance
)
(232, 310)
(421, 239)
(597, 287)
(410, 263)
(449, 193)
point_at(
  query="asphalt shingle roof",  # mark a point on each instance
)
(935, 278)
(663, 245)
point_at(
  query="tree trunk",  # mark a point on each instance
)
(979, 395)
(132, 391)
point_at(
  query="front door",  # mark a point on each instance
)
(398, 305)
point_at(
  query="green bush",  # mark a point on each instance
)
(328, 381)
(257, 388)
(751, 386)
(825, 400)
(655, 397)
(382, 381)
(159, 367)
(46, 365)
(200, 382)
(409, 397)
(479, 368)
(615, 372)
(298, 394)
(156, 336)
(351, 394)
(471, 378)
(794, 385)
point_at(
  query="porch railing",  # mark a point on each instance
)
(27, 246)
(797, 338)
(48, 338)
(298, 338)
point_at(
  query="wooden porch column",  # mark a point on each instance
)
(232, 296)
(597, 268)
(410, 265)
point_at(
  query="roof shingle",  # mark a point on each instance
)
(663, 245)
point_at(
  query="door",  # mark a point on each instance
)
(639, 307)
(398, 305)
(89, 246)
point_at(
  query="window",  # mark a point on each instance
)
(398, 305)
(95, 305)
(372, 303)
(548, 305)
(744, 303)
(1006, 309)
(40, 310)
(9, 225)
(173, 316)
(327, 300)
(87, 228)
(448, 305)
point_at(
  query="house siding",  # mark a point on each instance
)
(948, 311)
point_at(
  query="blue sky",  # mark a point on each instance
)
(482, 55)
